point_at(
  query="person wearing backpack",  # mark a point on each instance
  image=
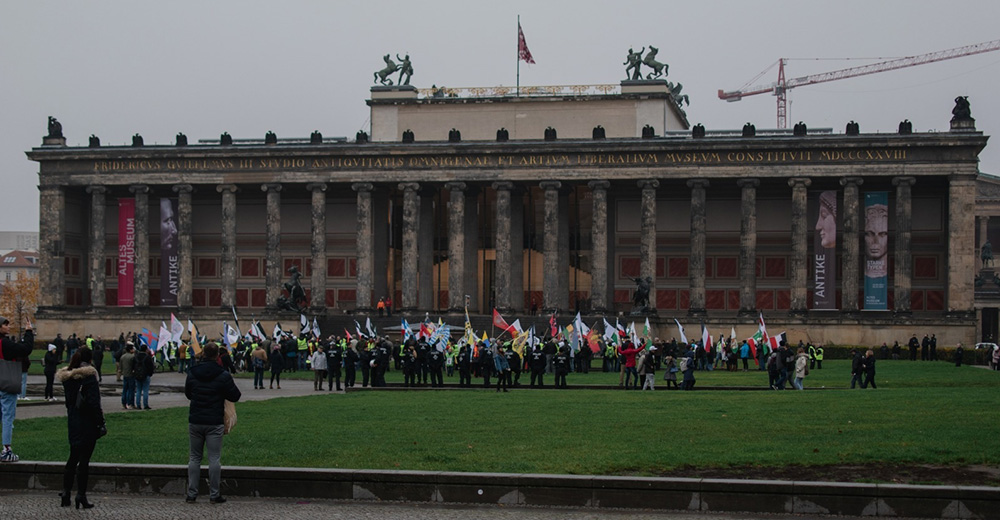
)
(142, 373)
(687, 368)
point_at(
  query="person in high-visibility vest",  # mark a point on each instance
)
(819, 357)
(303, 348)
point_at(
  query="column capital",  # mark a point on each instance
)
(503, 185)
(598, 185)
(550, 185)
(363, 187)
(455, 186)
(314, 186)
(799, 181)
(270, 187)
(410, 186)
(904, 180)
(183, 188)
(223, 188)
(856, 181)
(99, 190)
(748, 183)
(138, 188)
(648, 184)
(697, 183)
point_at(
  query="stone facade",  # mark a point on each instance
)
(722, 225)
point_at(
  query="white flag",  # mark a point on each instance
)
(164, 337)
(176, 329)
(680, 330)
(315, 328)
(368, 325)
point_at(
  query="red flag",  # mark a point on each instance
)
(552, 325)
(349, 338)
(522, 47)
(425, 332)
(498, 321)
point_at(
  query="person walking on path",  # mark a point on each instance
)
(51, 362)
(10, 381)
(869, 368)
(127, 363)
(802, 361)
(208, 387)
(318, 363)
(85, 421)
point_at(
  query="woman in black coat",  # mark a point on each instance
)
(277, 361)
(51, 361)
(85, 420)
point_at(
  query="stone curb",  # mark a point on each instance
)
(599, 492)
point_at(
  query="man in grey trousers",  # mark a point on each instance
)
(208, 386)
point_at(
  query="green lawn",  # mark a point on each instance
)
(921, 413)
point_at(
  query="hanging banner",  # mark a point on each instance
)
(126, 252)
(825, 253)
(876, 251)
(170, 273)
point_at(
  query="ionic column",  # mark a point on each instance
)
(456, 246)
(411, 246)
(961, 244)
(426, 293)
(185, 284)
(504, 260)
(517, 248)
(141, 193)
(599, 247)
(227, 263)
(903, 273)
(799, 246)
(471, 240)
(696, 305)
(317, 281)
(647, 244)
(984, 224)
(95, 270)
(365, 246)
(51, 276)
(272, 257)
(849, 285)
(550, 247)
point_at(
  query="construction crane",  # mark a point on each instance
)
(781, 87)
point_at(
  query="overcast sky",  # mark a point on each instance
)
(114, 68)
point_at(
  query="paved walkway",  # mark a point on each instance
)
(170, 387)
(31, 504)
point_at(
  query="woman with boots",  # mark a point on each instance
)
(85, 420)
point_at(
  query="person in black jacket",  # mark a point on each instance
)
(334, 358)
(85, 421)
(465, 366)
(435, 364)
(52, 360)
(409, 365)
(869, 368)
(365, 358)
(857, 368)
(208, 387)
(277, 361)
(350, 366)
(561, 364)
(514, 360)
(538, 361)
(11, 352)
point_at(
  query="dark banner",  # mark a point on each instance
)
(169, 266)
(825, 253)
(126, 252)
(877, 251)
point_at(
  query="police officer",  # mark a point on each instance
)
(409, 358)
(435, 364)
(537, 364)
(334, 358)
(485, 361)
(561, 365)
(464, 366)
(514, 360)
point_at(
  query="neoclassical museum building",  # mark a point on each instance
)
(558, 198)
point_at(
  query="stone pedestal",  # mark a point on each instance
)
(963, 125)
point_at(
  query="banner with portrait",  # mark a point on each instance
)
(126, 252)
(170, 273)
(824, 264)
(876, 251)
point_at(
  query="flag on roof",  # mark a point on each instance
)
(523, 53)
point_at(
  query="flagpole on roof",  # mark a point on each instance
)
(517, 91)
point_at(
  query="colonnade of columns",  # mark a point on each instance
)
(417, 240)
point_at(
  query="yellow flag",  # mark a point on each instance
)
(194, 338)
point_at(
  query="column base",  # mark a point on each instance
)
(961, 315)
(317, 310)
(903, 313)
(798, 313)
(698, 313)
(364, 310)
(748, 313)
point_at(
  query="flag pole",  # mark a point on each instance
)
(517, 91)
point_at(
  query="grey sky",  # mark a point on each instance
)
(114, 68)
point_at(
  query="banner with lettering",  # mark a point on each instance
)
(876, 251)
(126, 252)
(825, 253)
(169, 266)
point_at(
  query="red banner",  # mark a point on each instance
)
(126, 252)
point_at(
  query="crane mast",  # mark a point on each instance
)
(781, 87)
